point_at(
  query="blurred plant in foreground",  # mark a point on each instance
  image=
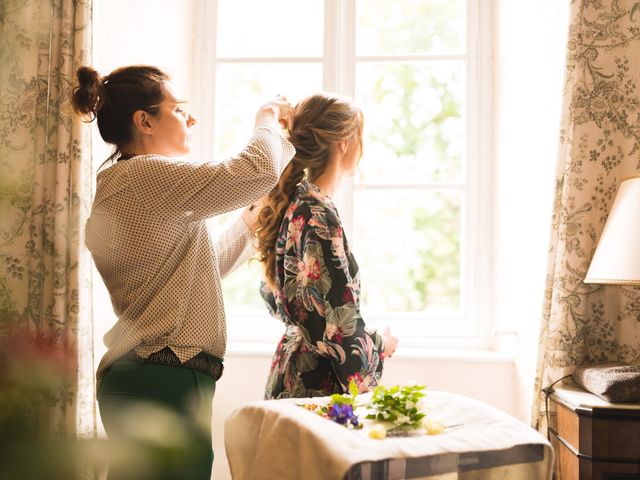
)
(38, 440)
(35, 371)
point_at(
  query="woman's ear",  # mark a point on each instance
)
(343, 146)
(142, 122)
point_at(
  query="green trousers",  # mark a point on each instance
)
(158, 421)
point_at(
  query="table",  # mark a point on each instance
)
(278, 439)
(594, 439)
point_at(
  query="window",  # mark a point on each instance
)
(418, 215)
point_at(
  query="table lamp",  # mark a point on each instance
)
(616, 261)
(617, 257)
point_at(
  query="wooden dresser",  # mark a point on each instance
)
(593, 439)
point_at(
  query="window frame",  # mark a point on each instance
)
(471, 330)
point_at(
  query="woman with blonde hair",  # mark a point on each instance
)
(312, 280)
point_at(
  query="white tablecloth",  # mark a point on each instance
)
(277, 439)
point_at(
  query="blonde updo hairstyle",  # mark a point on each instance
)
(320, 121)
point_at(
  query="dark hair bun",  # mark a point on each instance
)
(88, 96)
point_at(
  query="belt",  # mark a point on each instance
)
(203, 362)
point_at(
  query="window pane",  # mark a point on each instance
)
(275, 28)
(414, 126)
(410, 27)
(242, 88)
(241, 289)
(407, 244)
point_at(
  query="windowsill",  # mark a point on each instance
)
(259, 349)
(457, 355)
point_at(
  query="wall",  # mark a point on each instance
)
(529, 59)
(135, 33)
(152, 33)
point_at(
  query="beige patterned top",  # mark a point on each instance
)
(150, 243)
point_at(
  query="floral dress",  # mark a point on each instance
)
(317, 297)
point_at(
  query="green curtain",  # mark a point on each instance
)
(599, 147)
(45, 193)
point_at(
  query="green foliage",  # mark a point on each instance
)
(346, 398)
(339, 399)
(415, 135)
(413, 26)
(399, 405)
(353, 389)
(414, 129)
(436, 276)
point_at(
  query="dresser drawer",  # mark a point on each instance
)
(593, 439)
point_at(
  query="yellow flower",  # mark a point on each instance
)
(378, 432)
(434, 427)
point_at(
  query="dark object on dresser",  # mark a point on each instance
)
(593, 439)
(614, 382)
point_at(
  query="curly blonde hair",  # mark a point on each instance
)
(320, 121)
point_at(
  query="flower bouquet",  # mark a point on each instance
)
(394, 411)
(340, 408)
(400, 412)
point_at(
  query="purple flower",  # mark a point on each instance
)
(342, 414)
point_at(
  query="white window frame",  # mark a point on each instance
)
(339, 66)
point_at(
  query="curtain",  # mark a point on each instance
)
(599, 147)
(45, 193)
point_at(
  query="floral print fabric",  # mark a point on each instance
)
(45, 193)
(599, 144)
(317, 297)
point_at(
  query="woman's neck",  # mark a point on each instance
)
(329, 180)
(142, 146)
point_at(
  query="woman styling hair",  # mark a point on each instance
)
(312, 281)
(149, 241)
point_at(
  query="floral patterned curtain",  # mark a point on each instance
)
(45, 192)
(599, 147)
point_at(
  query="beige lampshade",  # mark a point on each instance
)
(617, 257)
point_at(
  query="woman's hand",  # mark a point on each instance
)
(390, 343)
(250, 214)
(277, 113)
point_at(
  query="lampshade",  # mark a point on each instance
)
(617, 257)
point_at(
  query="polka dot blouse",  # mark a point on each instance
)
(150, 243)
